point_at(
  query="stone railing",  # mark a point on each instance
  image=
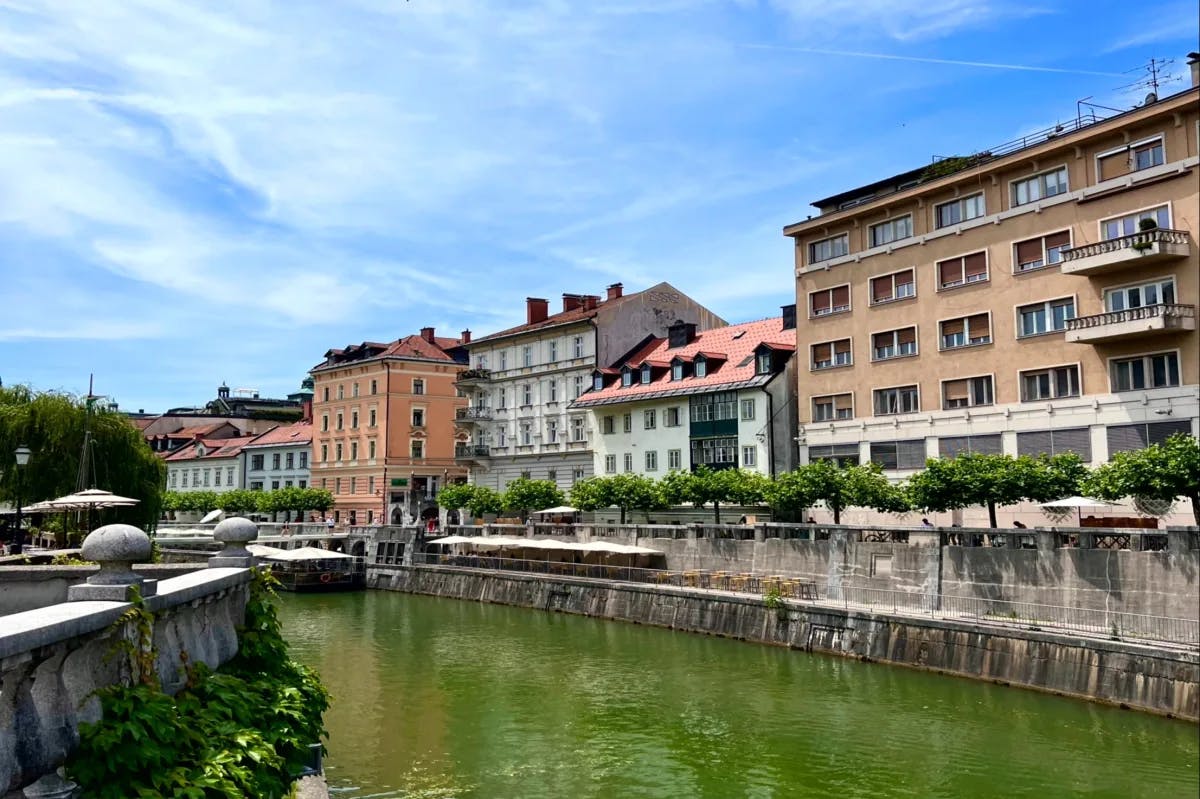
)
(54, 658)
(1141, 240)
(1168, 312)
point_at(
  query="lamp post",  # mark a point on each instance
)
(22, 454)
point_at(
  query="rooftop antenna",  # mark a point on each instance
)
(1153, 75)
(87, 457)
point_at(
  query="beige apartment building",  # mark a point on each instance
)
(383, 426)
(1037, 297)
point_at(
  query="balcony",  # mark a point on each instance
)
(471, 453)
(1146, 248)
(1149, 320)
(473, 377)
(471, 415)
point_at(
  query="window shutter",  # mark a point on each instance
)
(822, 352)
(881, 339)
(955, 390)
(986, 445)
(907, 335)
(841, 296)
(910, 454)
(820, 302)
(1126, 437)
(1059, 239)
(904, 278)
(950, 271)
(1114, 165)
(1038, 442)
(1077, 440)
(952, 326)
(975, 264)
(950, 446)
(979, 325)
(884, 453)
(881, 289)
(1029, 251)
(843, 401)
(1158, 432)
(842, 346)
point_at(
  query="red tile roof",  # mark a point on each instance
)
(297, 434)
(732, 347)
(203, 430)
(214, 448)
(560, 318)
(411, 346)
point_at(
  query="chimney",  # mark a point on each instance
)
(536, 310)
(680, 334)
(466, 336)
(789, 317)
(572, 302)
(1194, 63)
(614, 291)
(306, 410)
(590, 301)
(427, 334)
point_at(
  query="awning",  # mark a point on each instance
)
(1075, 502)
(559, 509)
(306, 553)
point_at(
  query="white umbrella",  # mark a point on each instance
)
(1078, 503)
(557, 509)
(92, 498)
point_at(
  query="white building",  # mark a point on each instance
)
(207, 465)
(724, 398)
(279, 458)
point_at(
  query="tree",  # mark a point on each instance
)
(52, 426)
(594, 493)
(1164, 472)
(239, 500)
(319, 499)
(993, 480)
(788, 495)
(524, 495)
(625, 491)
(484, 501)
(455, 496)
(704, 486)
(839, 487)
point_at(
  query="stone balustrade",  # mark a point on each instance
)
(54, 658)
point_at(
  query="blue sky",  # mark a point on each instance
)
(191, 195)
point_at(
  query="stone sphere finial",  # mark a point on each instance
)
(116, 547)
(234, 533)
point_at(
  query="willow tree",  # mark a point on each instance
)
(52, 425)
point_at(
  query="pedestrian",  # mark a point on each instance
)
(329, 522)
(926, 523)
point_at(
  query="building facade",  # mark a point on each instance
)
(215, 464)
(724, 398)
(523, 380)
(1039, 297)
(383, 426)
(279, 458)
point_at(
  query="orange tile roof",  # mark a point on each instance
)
(199, 430)
(732, 348)
(411, 346)
(296, 434)
(214, 448)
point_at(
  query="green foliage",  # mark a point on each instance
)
(52, 426)
(240, 732)
(524, 495)
(625, 491)
(947, 166)
(839, 487)
(1165, 472)
(993, 480)
(455, 496)
(70, 560)
(239, 500)
(478, 500)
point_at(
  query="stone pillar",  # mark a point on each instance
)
(234, 533)
(116, 547)
(1178, 539)
(760, 533)
(1045, 540)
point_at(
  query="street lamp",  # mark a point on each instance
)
(22, 454)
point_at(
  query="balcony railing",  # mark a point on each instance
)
(1148, 319)
(469, 451)
(474, 375)
(1143, 247)
(473, 413)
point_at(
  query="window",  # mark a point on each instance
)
(1051, 383)
(340, 425)
(577, 347)
(577, 386)
(353, 450)
(763, 363)
(1158, 292)
(1056, 442)
(627, 422)
(674, 459)
(174, 478)
(418, 386)
(716, 452)
(552, 351)
(649, 419)
(1044, 317)
(503, 359)
(374, 386)
(968, 392)
(628, 461)
(749, 456)
(1145, 371)
(354, 420)
(1139, 436)
(1042, 251)
(700, 367)
(651, 460)
(747, 410)
(418, 417)
(302, 484)
(904, 399)
(829, 354)
(341, 392)
(962, 270)
(275, 484)
(1129, 224)
(608, 425)
(325, 394)
(714, 407)
(834, 406)
(840, 454)
(501, 398)
(576, 476)
(229, 475)
(1038, 187)
(289, 460)
(324, 453)
(829, 301)
(597, 382)
(526, 434)
(371, 417)
(552, 391)
(960, 210)
(337, 452)
(909, 454)
(216, 477)
(551, 431)
(371, 449)
(578, 431)
(353, 485)
(891, 230)
(552, 475)
(417, 449)
(610, 464)
(834, 247)
(371, 484)
(1131, 158)
(671, 417)
(303, 460)
(527, 394)
(626, 378)
(354, 390)
(527, 355)
(896, 286)
(276, 461)
(894, 344)
(647, 373)
(677, 370)
(324, 422)
(967, 331)
(502, 437)
(185, 479)
(256, 463)
(953, 446)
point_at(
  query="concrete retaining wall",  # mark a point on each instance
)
(27, 587)
(1149, 678)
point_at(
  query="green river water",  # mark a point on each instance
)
(438, 698)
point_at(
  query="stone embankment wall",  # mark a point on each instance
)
(28, 587)
(1159, 680)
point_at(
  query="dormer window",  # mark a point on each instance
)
(700, 369)
(645, 373)
(597, 382)
(626, 377)
(763, 363)
(677, 370)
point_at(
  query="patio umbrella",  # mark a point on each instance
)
(1078, 503)
(91, 498)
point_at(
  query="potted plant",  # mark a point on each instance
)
(1144, 243)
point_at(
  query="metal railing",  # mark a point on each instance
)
(471, 451)
(472, 413)
(1096, 623)
(473, 375)
(1139, 241)
(1168, 312)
